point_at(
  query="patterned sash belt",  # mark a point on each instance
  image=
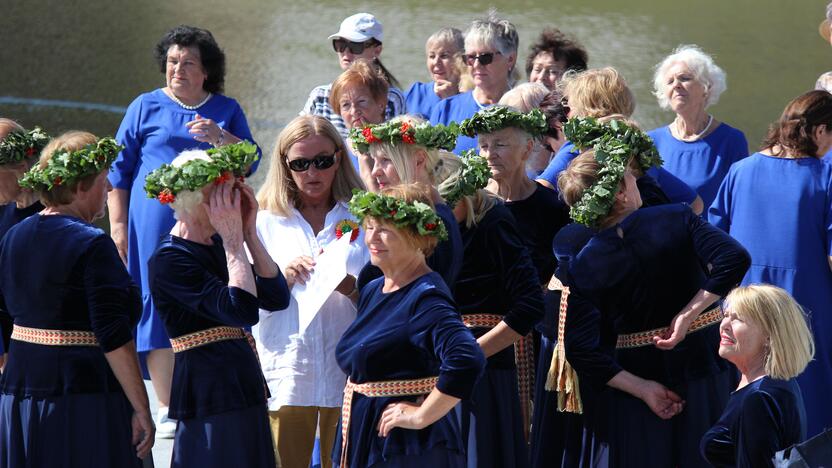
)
(389, 388)
(46, 337)
(523, 359)
(204, 337)
(645, 338)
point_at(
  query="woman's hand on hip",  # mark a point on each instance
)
(402, 414)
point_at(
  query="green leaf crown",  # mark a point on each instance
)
(497, 118)
(231, 160)
(472, 176)
(68, 167)
(615, 142)
(401, 131)
(417, 215)
(17, 146)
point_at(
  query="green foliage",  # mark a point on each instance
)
(18, 146)
(497, 118)
(401, 214)
(472, 176)
(66, 167)
(395, 132)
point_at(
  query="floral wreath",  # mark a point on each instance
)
(167, 181)
(395, 210)
(17, 146)
(615, 143)
(472, 176)
(497, 118)
(395, 131)
(67, 167)
(347, 226)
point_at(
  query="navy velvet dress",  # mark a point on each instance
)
(410, 333)
(762, 418)
(62, 405)
(498, 278)
(636, 276)
(218, 393)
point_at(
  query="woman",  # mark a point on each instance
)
(405, 150)
(359, 37)
(695, 147)
(500, 300)
(189, 112)
(409, 358)
(603, 94)
(207, 292)
(71, 393)
(444, 50)
(824, 82)
(637, 290)
(764, 334)
(789, 234)
(491, 54)
(553, 55)
(304, 211)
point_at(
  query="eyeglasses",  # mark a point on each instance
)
(321, 162)
(484, 59)
(357, 48)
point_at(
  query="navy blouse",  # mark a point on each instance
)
(761, 418)
(58, 272)
(189, 284)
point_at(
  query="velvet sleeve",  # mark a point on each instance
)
(114, 303)
(238, 126)
(719, 213)
(446, 258)
(675, 189)
(436, 327)
(129, 135)
(273, 293)
(724, 259)
(582, 342)
(828, 220)
(759, 429)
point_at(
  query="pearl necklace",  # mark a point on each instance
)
(185, 106)
(698, 135)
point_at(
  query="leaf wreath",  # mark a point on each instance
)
(17, 146)
(399, 131)
(417, 215)
(68, 167)
(472, 176)
(497, 118)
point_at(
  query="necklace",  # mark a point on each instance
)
(185, 106)
(698, 135)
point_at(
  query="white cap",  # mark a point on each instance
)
(360, 27)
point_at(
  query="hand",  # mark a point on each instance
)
(205, 130)
(400, 414)
(223, 210)
(663, 402)
(347, 286)
(674, 334)
(299, 270)
(143, 433)
(118, 231)
(444, 88)
(248, 206)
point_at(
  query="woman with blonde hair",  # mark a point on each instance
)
(444, 50)
(303, 214)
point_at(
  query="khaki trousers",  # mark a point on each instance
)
(294, 429)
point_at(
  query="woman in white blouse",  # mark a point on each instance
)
(304, 210)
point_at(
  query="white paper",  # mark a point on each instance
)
(330, 269)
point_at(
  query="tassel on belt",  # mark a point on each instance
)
(47, 337)
(388, 388)
(204, 337)
(523, 359)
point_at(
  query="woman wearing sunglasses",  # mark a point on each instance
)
(490, 53)
(359, 37)
(303, 210)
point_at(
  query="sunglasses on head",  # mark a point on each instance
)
(484, 59)
(340, 45)
(321, 162)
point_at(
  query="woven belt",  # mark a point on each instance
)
(389, 388)
(204, 337)
(523, 359)
(645, 338)
(43, 336)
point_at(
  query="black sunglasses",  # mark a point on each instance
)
(321, 162)
(340, 45)
(484, 59)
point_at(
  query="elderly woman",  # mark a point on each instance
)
(499, 299)
(553, 55)
(642, 306)
(491, 55)
(405, 150)
(444, 50)
(71, 393)
(695, 147)
(408, 356)
(304, 212)
(188, 112)
(359, 37)
(764, 334)
(789, 235)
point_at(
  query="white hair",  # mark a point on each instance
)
(704, 70)
(494, 32)
(186, 202)
(525, 97)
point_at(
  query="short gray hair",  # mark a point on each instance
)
(704, 70)
(493, 31)
(525, 97)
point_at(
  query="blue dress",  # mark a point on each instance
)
(421, 98)
(410, 333)
(704, 163)
(153, 132)
(497, 277)
(62, 405)
(633, 277)
(781, 211)
(676, 190)
(763, 417)
(456, 109)
(218, 393)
